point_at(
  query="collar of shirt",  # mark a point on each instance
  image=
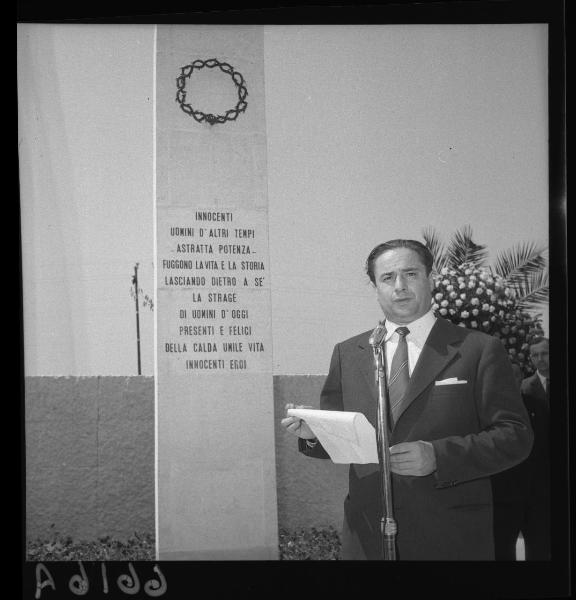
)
(419, 329)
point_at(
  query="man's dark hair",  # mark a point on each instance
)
(537, 340)
(420, 249)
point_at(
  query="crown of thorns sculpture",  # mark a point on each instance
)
(229, 115)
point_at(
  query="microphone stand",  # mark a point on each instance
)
(388, 528)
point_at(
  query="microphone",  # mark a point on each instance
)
(378, 335)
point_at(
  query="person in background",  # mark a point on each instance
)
(456, 413)
(522, 494)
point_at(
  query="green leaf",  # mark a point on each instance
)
(462, 249)
(436, 247)
(524, 258)
(531, 290)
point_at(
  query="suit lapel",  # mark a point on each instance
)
(364, 357)
(440, 349)
(365, 363)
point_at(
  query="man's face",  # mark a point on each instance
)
(539, 357)
(402, 286)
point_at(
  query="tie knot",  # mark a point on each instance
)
(402, 331)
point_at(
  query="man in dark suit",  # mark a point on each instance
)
(522, 494)
(457, 419)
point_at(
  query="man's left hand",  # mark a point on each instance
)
(413, 458)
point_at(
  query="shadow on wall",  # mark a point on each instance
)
(90, 459)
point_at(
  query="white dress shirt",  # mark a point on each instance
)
(419, 331)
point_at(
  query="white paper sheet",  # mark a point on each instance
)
(348, 437)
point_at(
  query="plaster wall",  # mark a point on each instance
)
(89, 456)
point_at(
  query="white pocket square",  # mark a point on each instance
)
(450, 381)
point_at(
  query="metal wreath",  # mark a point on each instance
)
(200, 116)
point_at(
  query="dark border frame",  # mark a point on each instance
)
(461, 580)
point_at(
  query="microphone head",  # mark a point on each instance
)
(378, 335)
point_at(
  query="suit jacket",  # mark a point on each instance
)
(529, 481)
(537, 404)
(477, 428)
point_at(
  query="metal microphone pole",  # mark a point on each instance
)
(388, 528)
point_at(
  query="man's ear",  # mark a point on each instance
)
(431, 281)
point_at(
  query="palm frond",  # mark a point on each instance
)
(462, 249)
(523, 259)
(436, 247)
(531, 289)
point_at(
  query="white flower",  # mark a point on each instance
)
(471, 284)
(446, 282)
(449, 288)
(463, 296)
(475, 312)
(444, 270)
(439, 296)
(461, 325)
(444, 303)
(464, 314)
(458, 302)
(474, 324)
(462, 286)
(435, 306)
(486, 324)
(479, 291)
(468, 272)
(451, 311)
(460, 279)
(443, 311)
(485, 307)
(475, 301)
(490, 292)
(453, 295)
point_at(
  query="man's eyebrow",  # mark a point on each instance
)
(404, 270)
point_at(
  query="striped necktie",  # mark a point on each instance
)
(399, 373)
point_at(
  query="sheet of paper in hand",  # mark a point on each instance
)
(348, 437)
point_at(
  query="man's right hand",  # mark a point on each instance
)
(297, 426)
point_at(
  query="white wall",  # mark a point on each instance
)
(376, 132)
(373, 132)
(85, 146)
